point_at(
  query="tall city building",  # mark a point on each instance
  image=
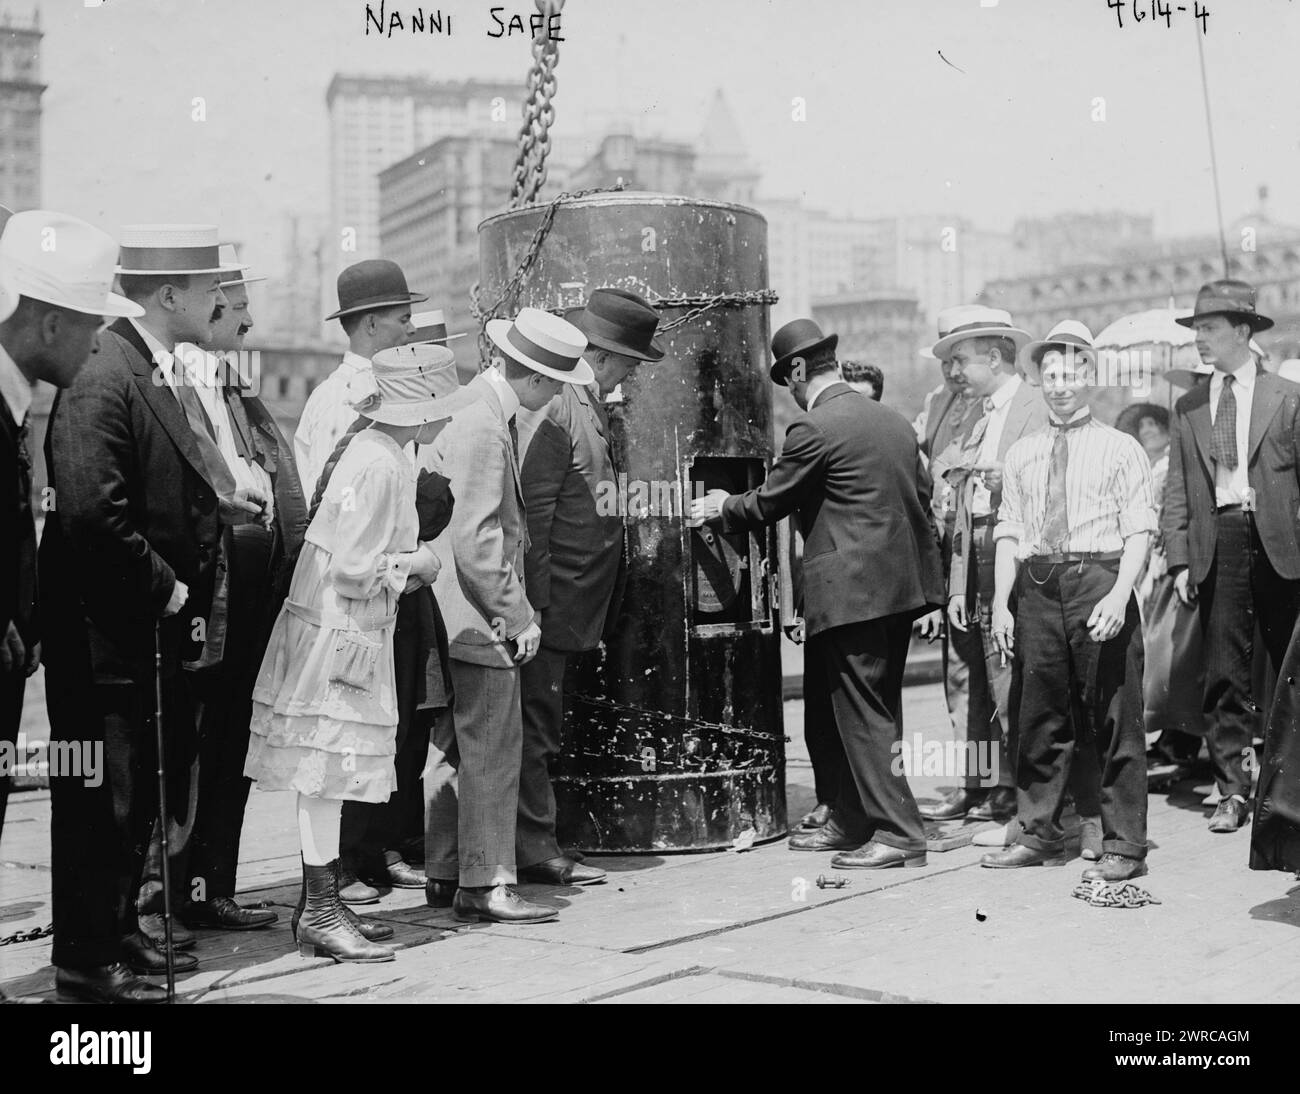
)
(431, 204)
(376, 121)
(20, 112)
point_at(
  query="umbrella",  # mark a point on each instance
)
(1149, 344)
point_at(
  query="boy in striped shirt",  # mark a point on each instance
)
(1074, 528)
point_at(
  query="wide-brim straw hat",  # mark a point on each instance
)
(979, 321)
(408, 385)
(230, 265)
(431, 326)
(1069, 336)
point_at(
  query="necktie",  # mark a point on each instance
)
(242, 431)
(1056, 524)
(205, 438)
(514, 437)
(1223, 442)
(24, 456)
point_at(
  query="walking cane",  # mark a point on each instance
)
(162, 813)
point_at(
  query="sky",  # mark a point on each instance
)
(912, 106)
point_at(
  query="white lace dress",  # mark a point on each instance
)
(325, 703)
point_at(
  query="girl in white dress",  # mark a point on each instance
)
(325, 705)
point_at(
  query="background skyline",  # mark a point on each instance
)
(891, 128)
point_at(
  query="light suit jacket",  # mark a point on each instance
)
(480, 587)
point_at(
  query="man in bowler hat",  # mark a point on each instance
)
(851, 468)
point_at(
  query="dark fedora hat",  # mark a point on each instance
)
(1235, 299)
(798, 337)
(621, 322)
(372, 284)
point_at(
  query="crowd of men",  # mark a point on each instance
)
(1007, 522)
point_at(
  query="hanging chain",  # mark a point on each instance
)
(34, 935)
(538, 111)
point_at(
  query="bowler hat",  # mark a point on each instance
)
(372, 284)
(1235, 299)
(620, 322)
(796, 338)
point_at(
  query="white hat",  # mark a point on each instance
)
(171, 249)
(431, 326)
(1068, 334)
(948, 318)
(544, 343)
(977, 321)
(230, 264)
(408, 385)
(60, 260)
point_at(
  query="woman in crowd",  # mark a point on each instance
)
(325, 710)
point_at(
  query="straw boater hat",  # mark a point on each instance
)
(978, 321)
(796, 339)
(431, 326)
(408, 385)
(1235, 299)
(76, 274)
(544, 343)
(230, 265)
(1069, 336)
(171, 249)
(620, 322)
(372, 284)
(948, 318)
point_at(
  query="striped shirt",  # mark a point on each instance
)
(1108, 490)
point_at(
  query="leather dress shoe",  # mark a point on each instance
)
(1229, 815)
(954, 804)
(106, 984)
(1002, 836)
(352, 890)
(143, 958)
(561, 871)
(818, 818)
(499, 904)
(439, 894)
(152, 925)
(998, 805)
(402, 875)
(877, 856)
(1018, 855)
(221, 913)
(1090, 836)
(1115, 867)
(829, 837)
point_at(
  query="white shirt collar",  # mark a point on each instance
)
(354, 362)
(504, 392)
(1005, 393)
(15, 389)
(1244, 377)
(155, 346)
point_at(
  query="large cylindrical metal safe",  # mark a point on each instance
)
(673, 737)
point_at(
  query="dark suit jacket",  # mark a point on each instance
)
(274, 453)
(133, 512)
(574, 524)
(1188, 521)
(852, 470)
(17, 537)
